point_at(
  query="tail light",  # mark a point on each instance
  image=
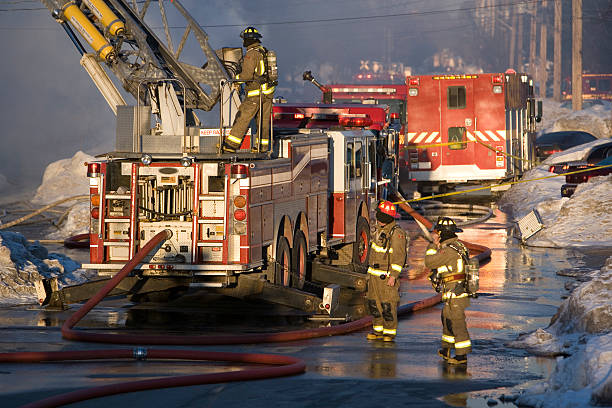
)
(414, 81)
(95, 200)
(95, 212)
(93, 169)
(239, 171)
(239, 201)
(497, 79)
(240, 215)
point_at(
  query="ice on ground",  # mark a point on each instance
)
(22, 263)
(76, 222)
(581, 335)
(64, 178)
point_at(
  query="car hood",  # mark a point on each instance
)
(576, 153)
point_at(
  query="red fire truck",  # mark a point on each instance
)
(594, 86)
(455, 129)
(253, 212)
(468, 129)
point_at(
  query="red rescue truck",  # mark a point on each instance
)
(468, 129)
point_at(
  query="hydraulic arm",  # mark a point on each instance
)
(120, 38)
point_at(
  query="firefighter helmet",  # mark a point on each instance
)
(250, 33)
(446, 224)
(387, 207)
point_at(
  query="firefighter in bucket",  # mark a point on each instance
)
(387, 258)
(260, 80)
(448, 260)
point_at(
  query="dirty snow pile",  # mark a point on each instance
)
(595, 119)
(22, 263)
(580, 334)
(62, 179)
(582, 220)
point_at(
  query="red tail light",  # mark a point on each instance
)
(414, 81)
(239, 171)
(240, 215)
(95, 212)
(498, 79)
(394, 115)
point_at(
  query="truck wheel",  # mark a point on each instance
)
(282, 273)
(299, 258)
(361, 246)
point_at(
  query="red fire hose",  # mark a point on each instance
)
(282, 365)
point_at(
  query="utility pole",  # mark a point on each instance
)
(532, 39)
(543, 74)
(577, 55)
(512, 58)
(557, 57)
(519, 43)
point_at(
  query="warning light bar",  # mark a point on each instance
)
(363, 90)
(456, 77)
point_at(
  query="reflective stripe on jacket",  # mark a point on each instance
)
(253, 67)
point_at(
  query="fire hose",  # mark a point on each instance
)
(281, 365)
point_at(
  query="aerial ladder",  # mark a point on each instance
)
(154, 72)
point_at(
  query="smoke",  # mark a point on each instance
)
(50, 109)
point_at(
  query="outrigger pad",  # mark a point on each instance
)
(44, 288)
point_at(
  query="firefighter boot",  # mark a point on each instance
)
(388, 338)
(460, 359)
(374, 335)
(444, 353)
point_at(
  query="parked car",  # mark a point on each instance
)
(592, 156)
(549, 143)
(572, 180)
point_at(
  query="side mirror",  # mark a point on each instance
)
(539, 114)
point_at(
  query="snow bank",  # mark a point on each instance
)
(581, 335)
(22, 263)
(596, 120)
(64, 178)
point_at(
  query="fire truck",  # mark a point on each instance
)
(468, 129)
(454, 129)
(239, 221)
(594, 86)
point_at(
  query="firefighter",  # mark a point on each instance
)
(254, 73)
(447, 257)
(387, 258)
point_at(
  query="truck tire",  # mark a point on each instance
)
(361, 246)
(299, 258)
(282, 268)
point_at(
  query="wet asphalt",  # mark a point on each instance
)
(520, 291)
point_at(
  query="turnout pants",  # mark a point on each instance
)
(383, 301)
(247, 111)
(454, 327)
